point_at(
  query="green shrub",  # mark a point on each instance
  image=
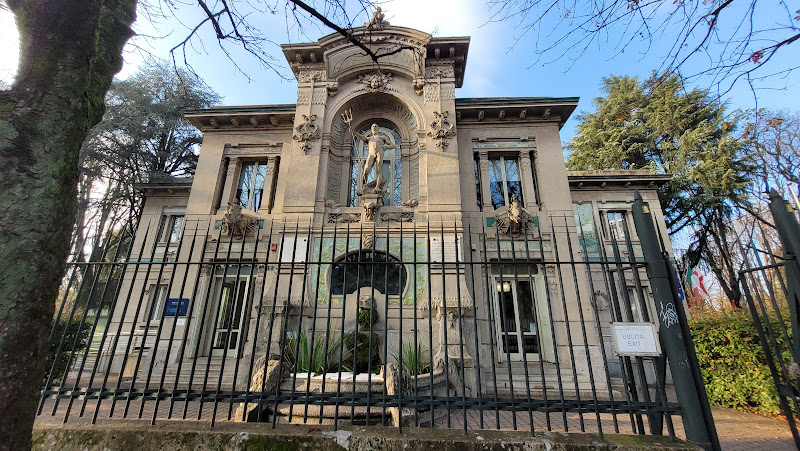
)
(363, 352)
(733, 363)
(413, 359)
(306, 361)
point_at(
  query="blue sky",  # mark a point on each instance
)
(494, 68)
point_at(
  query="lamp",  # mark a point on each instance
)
(504, 287)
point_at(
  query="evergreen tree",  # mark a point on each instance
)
(659, 126)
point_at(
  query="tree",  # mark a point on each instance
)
(143, 136)
(723, 41)
(69, 53)
(657, 125)
(776, 149)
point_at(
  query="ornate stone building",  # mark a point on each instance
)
(381, 164)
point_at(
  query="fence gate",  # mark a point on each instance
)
(770, 281)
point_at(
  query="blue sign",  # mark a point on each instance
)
(176, 307)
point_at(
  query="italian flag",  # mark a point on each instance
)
(695, 280)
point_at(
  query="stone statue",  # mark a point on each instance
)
(377, 144)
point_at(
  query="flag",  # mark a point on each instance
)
(695, 280)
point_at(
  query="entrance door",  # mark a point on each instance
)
(231, 294)
(521, 316)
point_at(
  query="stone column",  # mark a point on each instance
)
(231, 181)
(483, 168)
(269, 186)
(526, 176)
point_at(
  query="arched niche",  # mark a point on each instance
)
(387, 111)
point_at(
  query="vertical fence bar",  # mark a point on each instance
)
(673, 339)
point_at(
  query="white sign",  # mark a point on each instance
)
(450, 250)
(300, 248)
(636, 339)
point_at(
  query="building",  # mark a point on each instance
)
(482, 240)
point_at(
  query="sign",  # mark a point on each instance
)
(636, 339)
(447, 248)
(298, 246)
(176, 307)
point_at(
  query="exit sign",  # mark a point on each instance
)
(636, 339)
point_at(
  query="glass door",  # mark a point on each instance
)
(521, 316)
(228, 325)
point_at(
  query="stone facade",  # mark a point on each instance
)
(490, 167)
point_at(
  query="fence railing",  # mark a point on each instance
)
(436, 325)
(770, 281)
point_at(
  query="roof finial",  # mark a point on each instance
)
(377, 20)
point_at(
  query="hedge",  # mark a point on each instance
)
(733, 363)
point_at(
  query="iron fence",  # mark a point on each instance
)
(770, 281)
(437, 325)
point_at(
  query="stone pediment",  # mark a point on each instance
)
(406, 50)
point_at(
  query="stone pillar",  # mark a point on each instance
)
(231, 181)
(483, 168)
(526, 176)
(269, 186)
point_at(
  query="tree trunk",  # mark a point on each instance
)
(69, 53)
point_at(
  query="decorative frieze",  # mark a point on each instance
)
(307, 76)
(439, 72)
(397, 216)
(343, 218)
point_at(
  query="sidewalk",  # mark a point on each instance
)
(740, 431)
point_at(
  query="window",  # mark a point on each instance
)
(504, 181)
(392, 167)
(478, 182)
(616, 225)
(171, 227)
(374, 269)
(584, 222)
(158, 302)
(251, 184)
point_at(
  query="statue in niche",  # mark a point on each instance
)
(377, 144)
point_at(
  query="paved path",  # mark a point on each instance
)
(740, 431)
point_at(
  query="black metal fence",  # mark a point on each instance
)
(392, 323)
(770, 281)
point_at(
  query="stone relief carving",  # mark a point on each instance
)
(447, 92)
(431, 93)
(237, 224)
(333, 89)
(410, 203)
(311, 75)
(369, 210)
(306, 131)
(334, 180)
(377, 82)
(367, 240)
(319, 97)
(374, 107)
(413, 175)
(398, 216)
(304, 96)
(418, 85)
(439, 72)
(441, 129)
(343, 218)
(514, 220)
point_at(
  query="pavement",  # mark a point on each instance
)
(741, 431)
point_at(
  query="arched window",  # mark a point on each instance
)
(392, 167)
(365, 268)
